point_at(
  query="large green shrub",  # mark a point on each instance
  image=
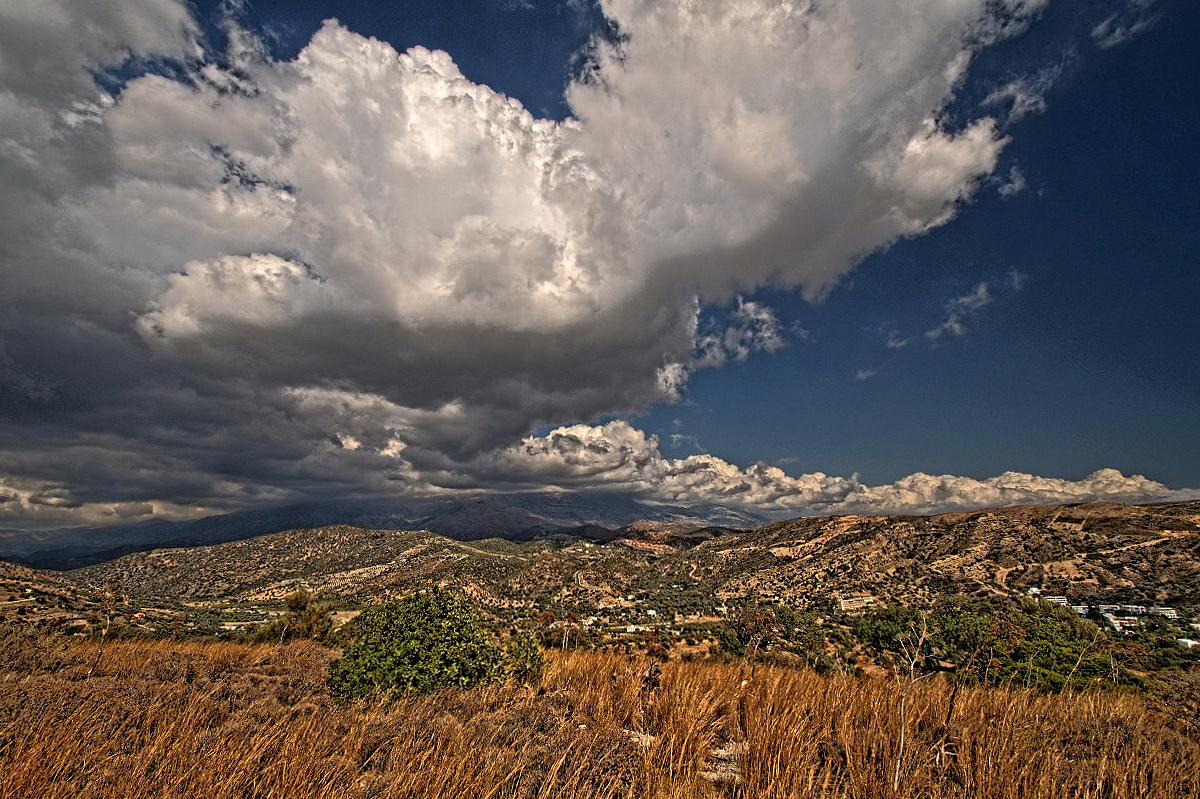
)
(428, 640)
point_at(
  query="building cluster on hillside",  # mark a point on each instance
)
(857, 601)
(1122, 618)
(1128, 618)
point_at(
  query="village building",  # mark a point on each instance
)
(856, 602)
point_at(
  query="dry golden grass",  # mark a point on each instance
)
(223, 720)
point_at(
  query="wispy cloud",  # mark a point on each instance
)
(1014, 185)
(1021, 97)
(1017, 279)
(1133, 18)
(959, 310)
(1026, 95)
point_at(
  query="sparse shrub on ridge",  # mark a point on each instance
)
(308, 617)
(27, 648)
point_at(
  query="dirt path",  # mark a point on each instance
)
(1150, 543)
(1003, 572)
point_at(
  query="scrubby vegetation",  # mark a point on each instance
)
(196, 719)
(307, 616)
(1034, 644)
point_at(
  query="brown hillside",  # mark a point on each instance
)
(1093, 552)
(1090, 553)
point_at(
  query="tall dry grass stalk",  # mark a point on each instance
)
(223, 720)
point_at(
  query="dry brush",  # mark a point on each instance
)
(183, 719)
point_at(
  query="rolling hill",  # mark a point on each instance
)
(1100, 552)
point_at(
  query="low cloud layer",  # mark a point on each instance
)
(239, 279)
(625, 458)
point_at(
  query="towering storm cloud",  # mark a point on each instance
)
(240, 278)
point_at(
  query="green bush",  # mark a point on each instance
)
(307, 617)
(881, 630)
(524, 659)
(728, 642)
(1034, 644)
(428, 640)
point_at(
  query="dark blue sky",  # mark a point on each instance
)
(1096, 359)
(527, 50)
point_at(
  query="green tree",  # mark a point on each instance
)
(806, 638)
(307, 617)
(882, 630)
(434, 638)
(1050, 648)
(962, 628)
(524, 659)
(752, 626)
(1034, 644)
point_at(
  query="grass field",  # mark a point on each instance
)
(187, 719)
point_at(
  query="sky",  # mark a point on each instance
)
(795, 257)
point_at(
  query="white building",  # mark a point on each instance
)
(1123, 624)
(857, 601)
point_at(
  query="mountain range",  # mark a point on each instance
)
(678, 566)
(1095, 553)
(516, 517)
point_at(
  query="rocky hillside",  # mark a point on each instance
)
(36, 596)
(1090, 553)
(336, 559)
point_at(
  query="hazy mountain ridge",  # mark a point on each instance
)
(513, 516)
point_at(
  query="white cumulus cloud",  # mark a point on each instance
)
(620, 456)
(754, 328)
(227, 258)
